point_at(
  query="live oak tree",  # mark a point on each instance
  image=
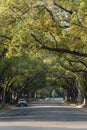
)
(78, 68)
(21, 74)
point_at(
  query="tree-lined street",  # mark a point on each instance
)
(43, 55)
(44, 115)
(43, 49)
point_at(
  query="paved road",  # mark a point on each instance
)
(44, 115)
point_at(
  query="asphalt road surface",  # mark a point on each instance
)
(44, 115)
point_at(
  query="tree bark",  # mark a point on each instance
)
(85, 101)
(3, 98)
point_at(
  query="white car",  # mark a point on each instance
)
(22, 102)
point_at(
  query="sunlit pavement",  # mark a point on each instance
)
(38, 124)
(31, 128)
(44, 115)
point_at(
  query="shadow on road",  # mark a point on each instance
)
(45, 111)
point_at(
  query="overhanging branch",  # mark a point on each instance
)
(66, 10)
(67, 51)
(77, 61)
(50, 12)
(73, 70)
(59, 50)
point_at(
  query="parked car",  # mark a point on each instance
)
(22, 103)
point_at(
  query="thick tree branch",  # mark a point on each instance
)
(59, 50)
(64, 50)
(77, 61)
(10, 78)
(76, 24)
(36, 39)
(83, 63)
(79, 71)
(66, 10)
(50, 12)
(73, 70)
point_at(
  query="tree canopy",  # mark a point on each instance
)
(59, 26)
(46, 41)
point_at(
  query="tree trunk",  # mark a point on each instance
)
(79, 97)
(3, 98)
(85, 101)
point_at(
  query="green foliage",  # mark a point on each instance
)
(27, 27)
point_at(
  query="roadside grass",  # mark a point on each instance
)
(32, 99)
(71, 103)
(7, 106)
